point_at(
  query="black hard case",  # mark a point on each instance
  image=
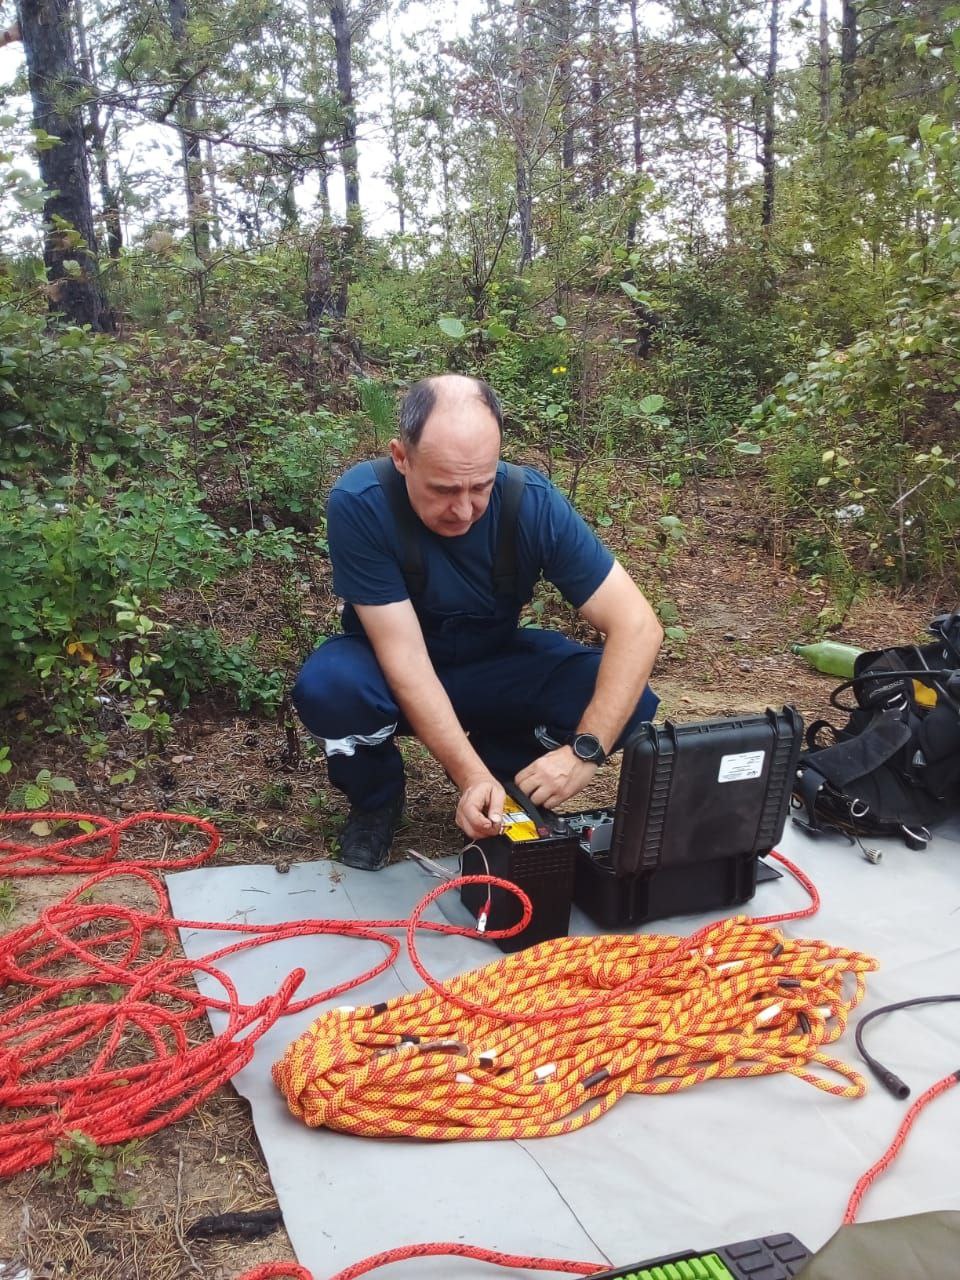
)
(684, 840)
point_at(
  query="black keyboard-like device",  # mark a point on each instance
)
(769, 1258)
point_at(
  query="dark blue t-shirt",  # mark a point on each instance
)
(553, 541)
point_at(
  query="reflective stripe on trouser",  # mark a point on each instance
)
(541, 677)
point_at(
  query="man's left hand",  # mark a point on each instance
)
(555, 777)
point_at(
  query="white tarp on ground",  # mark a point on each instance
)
(724, 1161)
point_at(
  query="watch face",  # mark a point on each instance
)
(587, 747)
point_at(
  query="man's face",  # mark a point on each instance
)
(451, 471)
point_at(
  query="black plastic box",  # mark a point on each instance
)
(697, 805)
(544, 868)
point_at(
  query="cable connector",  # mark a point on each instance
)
(891, 1082)
(483, 917)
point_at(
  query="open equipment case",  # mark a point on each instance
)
(697, 805)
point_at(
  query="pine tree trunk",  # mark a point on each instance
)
(522, 163)
(824, 80)
(596, 93)
(638, 157)
(75, 290)
(320, 140)
(729, 158)
(565, 85)
(197, 212)
(343, 44)
(109, 196)
(398, 179)
(768, 159)
(849, 42)
(213, 195)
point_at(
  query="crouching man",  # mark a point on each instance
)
(435, 550)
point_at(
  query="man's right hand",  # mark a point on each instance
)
(480, 811)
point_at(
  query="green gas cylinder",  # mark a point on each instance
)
(829, 656)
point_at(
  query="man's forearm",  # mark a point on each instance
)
(424, 702)
(628, 657)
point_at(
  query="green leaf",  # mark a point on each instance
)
(34, 797)
(651, 404)
(747, 446)
(926, 123)
(452, 327)
(63, 784)
(560, 322)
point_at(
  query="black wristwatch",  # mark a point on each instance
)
(587, 747)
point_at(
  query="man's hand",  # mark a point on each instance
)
(555, 777)
(480, 811)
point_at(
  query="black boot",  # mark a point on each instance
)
(368, 834)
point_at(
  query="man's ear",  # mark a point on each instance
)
(398, 453)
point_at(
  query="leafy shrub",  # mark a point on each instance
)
(94, 1172)
(196, 660)
(291, 469)
(58, 398)
(71, 576)
(865, 437)
(379, 407)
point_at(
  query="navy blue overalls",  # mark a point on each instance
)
(503, 680)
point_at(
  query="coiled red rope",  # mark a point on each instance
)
(102, 1028)
(56, 856)
(140, 992)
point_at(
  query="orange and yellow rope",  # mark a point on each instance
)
(545, 1041)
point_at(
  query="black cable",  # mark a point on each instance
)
(887, 1078)
(535, 814)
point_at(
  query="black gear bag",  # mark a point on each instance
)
(894, 768)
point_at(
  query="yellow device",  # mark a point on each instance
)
(517, 826)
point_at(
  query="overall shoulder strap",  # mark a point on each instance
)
(505, 563)
(411, 556)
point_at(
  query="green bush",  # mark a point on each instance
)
(77, 578)
(293, 464)
(59, 392)
(196, 660)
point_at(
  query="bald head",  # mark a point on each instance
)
(448, 450)
(451, 400)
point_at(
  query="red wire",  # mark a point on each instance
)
(891, 1153)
